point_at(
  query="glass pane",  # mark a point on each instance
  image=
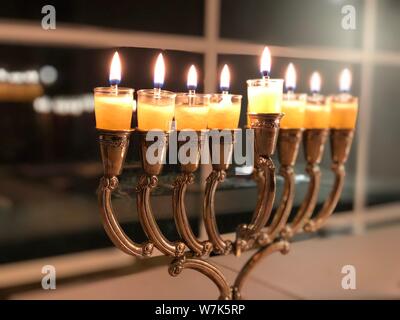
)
(291, 22)
(154, 16)
(388, 23)
(383, 180)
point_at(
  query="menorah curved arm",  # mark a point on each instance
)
(288, 149)
(266, 127)
(149, 224)
(281, 246)
(282, 212)
(330, 203)
(182, 223)
(341, 140)
(307, 206)
(220, 245)
(249, 234)
(265, 175)
(207, 269)
(111, 224)
(314, 142)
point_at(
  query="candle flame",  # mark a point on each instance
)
(115, 70)
(192, 78)
(159, 72)
(265, 65)
(315, 82)
(225, 78)
(290, 78)
(345, 80)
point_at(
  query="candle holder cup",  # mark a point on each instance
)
(113, 148)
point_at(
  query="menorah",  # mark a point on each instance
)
(190, 252)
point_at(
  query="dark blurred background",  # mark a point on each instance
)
(49, 158)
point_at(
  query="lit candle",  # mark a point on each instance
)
(344, 105)
(317, 115)
(191, 111)
(265, 94)
(225, 108)
(293, 105)
(114, 105)
(156, 106)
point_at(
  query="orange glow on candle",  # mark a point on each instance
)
(293, 105)
(318, 111)
(344, 105)
(191, 110)
(225, 108)
(114, 105)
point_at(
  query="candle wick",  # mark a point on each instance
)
(265, 75)
(157, 92)
(114, 88)
(345, 95)
(192, 94)
(290, 93)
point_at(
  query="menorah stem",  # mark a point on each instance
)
(281, 246)
(111, 225)
(182, 223)
(206, 268)
(314, 142)
(341, 140)
(266, 127)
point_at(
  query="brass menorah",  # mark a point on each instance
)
(189, 251)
